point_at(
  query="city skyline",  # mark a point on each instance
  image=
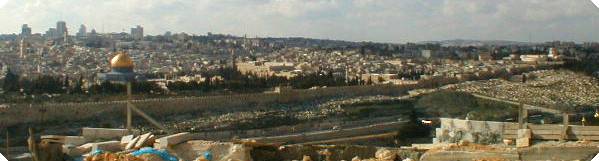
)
(359, 20)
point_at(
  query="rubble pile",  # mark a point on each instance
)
(549, 88)
(94, 145)
(98, 144)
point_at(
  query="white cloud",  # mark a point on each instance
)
(368, 20)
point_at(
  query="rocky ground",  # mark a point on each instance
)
(271, 117)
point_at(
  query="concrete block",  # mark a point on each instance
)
(165, 142)
(439, 132)
(477, 126)
(104, 133)
(446, 123)
(468, 137)
(522, 142)
(110, 146)
(524, 133)
(461, 124)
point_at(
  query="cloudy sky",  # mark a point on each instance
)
(355, 20)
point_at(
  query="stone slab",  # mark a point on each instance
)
(524, 133)
(104, 133)
(522, 142)
(110, 146)
(165, 142)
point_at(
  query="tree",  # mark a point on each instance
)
(11, 82)
(369, 80)
(381, 79)
(78, 88)
(447, 104)
(461, 104)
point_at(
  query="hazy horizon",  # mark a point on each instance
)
(394, 21)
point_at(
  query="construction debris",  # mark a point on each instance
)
(385, 155)
(306, 158)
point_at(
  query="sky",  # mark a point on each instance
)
(395, 21)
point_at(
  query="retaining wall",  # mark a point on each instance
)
(455, 130)
(286, 130)
(25, 113)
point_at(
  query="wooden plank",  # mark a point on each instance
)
(547, 137)
(584, 128)
(510, 126)
(545, 127)
(131, 144)
(566, 119)
(583, 137)
(547, 132)
(509, 136)
(142, 140)
(510, 132)
(588, 133)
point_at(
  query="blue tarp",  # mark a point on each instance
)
(162, 153)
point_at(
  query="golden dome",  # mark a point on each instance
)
(121, 60)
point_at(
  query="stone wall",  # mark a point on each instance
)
(333, 134)
(485, 132)
(286, 130)
(27, 114)
(488, 132)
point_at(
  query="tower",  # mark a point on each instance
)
(82, 31)
(25, 30)
(137, 33)
(66, 37)
(61, 27)
(22, 49)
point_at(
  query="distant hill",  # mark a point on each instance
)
(464, 43)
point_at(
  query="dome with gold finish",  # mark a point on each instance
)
(121, 60)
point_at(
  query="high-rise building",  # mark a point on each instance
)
(137, 33)
(25, 30)
(82, 31)
(65, 37)
(51, 33)
(61, 28)
(22, 49)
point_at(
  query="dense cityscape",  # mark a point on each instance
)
(74, 94)
(175, 61)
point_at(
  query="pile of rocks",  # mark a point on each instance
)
(300, 113)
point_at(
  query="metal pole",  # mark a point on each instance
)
(565, 126)
(521, 116)
(32, 145)
(129, 116)
(131, 107)
(7, 145)
(150, 119)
